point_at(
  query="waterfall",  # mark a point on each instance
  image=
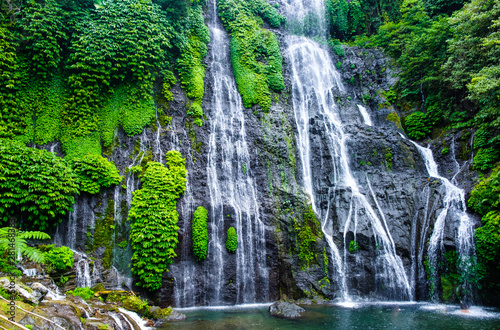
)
(454, 200)
(365, 115)
(84, 277)
(232, 190)
(314, 84)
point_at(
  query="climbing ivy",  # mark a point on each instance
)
(121, 41)
(45, 34)
(200, 233)
(36, 187)
(153, 217)
(255, 53)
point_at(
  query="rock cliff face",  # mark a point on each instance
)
(389, 171)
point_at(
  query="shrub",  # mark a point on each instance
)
(35, 186)
(337, 49)
(417, 125)
(60, 258)
(200, 233)
(93, 172)
(84, 293)
(485, 158)
(232, 240)
(486, 194)
(153, 217)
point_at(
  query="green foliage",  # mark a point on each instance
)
(354, 247)
(417, 125)
(200, 233)
(189, 63)
(45, 33)
(308, 233)
(388, 158)
(20, 246)
(36, 187)
(444, 151)
(103, 234)
(353, 18)
(255, 53)
(153, 217)
(485, 200)
(449, 66)
(93, 172)
(436, 7)
(488, 253)
(486, 194)
(60, 258)
(85, 293)
(120, 41)
(231, 240)
(395, 119)
(339, 50)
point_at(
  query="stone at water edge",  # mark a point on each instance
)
(176, 316)
(286, 309)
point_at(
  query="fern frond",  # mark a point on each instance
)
(33, 235)
(34, 254)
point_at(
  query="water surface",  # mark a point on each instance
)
(379, 315)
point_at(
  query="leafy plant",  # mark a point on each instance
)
(60, 258)
(354, 247)
(153, 217)
(93, 172)
(200, 233)
(35, 186)
(232, 240)
(85, 293)
(417, 125)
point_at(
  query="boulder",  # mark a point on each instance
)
(286, 310)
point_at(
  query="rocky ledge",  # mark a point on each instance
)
(37, 307)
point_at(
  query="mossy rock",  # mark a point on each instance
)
(135, 304)
(98, 287)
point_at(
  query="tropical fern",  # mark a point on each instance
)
(20, 244)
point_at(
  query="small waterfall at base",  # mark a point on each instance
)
(314, 82)
(84, 277)
(232, 189)
(454, 200)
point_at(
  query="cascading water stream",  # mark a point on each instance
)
(232, 190)
(454, 200)
(314, 81)
(365, 115)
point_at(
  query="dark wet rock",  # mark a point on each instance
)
(286, 310)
